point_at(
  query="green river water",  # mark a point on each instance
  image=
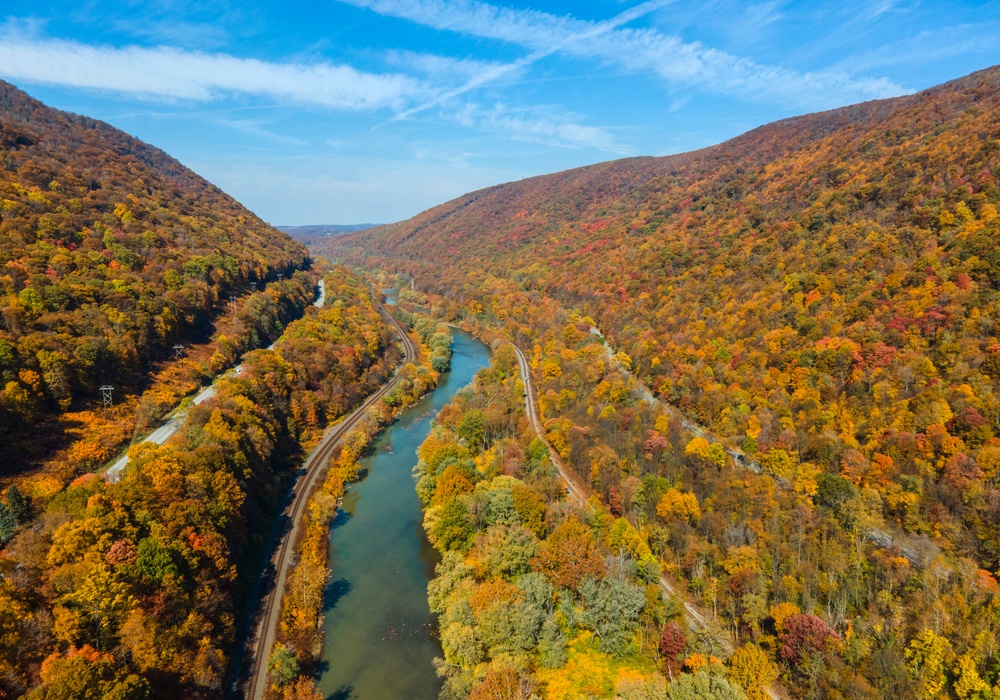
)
(379, 636)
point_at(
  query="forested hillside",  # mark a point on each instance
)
(133, 589)
(111, 252)
(821, 293)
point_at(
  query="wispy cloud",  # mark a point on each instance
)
(877, 9)
(640, 50)
(165, 72)
(256, 129)
(587, 32)
(177, 74)
(928, 47)
(176, 32)
(540, 126)
(442, 70)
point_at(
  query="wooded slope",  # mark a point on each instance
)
(821, 292)
(823, 288)
(110, 253)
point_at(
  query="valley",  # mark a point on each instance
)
(719, 424)
(799, 413)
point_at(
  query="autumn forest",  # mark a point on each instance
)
(812, 307)
(739, 437)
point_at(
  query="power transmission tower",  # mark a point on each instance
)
(106, 396)
(253, 286)
(178, 350)
(232, 304)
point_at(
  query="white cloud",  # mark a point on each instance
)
(548, 129)
(172, 73)
(164, 72)
(690, 64)
(444, 69)
(493, 72)
(928, 47)
(256, 128)
(174, 31)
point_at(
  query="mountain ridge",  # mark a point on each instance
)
(761, 140)
(871, 228)
(111, 253)
(821, 293)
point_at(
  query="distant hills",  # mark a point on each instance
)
(308, 233)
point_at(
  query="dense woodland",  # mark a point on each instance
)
(539, 598)
(820, 293)
(111, 252)
(134, 589)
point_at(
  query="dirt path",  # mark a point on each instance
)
(578, 493)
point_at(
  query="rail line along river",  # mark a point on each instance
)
(379, 636)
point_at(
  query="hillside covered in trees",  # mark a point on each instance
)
(111, 252)
(135, 589)
(820, 293)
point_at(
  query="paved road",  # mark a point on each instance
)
(176, 420)
(269, 610)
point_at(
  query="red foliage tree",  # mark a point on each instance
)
(500, 684)
(615, 502)
(569, 555)
(804, 634)
(672, 643)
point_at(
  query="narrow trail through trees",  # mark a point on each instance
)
(578, 493)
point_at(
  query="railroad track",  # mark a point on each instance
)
(578, 493)
(269, 609)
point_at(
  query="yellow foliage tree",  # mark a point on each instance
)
(781, 612)
(928, 656)
(750, 668)
(678, 506)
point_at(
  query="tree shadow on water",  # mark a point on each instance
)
(340, 519)
(334, 592)
(344, 692)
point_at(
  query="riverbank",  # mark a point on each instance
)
(293, 660)
(379, 639)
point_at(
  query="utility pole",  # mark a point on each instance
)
(106, 396)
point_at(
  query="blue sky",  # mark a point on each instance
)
(373, 110)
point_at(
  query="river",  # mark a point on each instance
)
(379, 635)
